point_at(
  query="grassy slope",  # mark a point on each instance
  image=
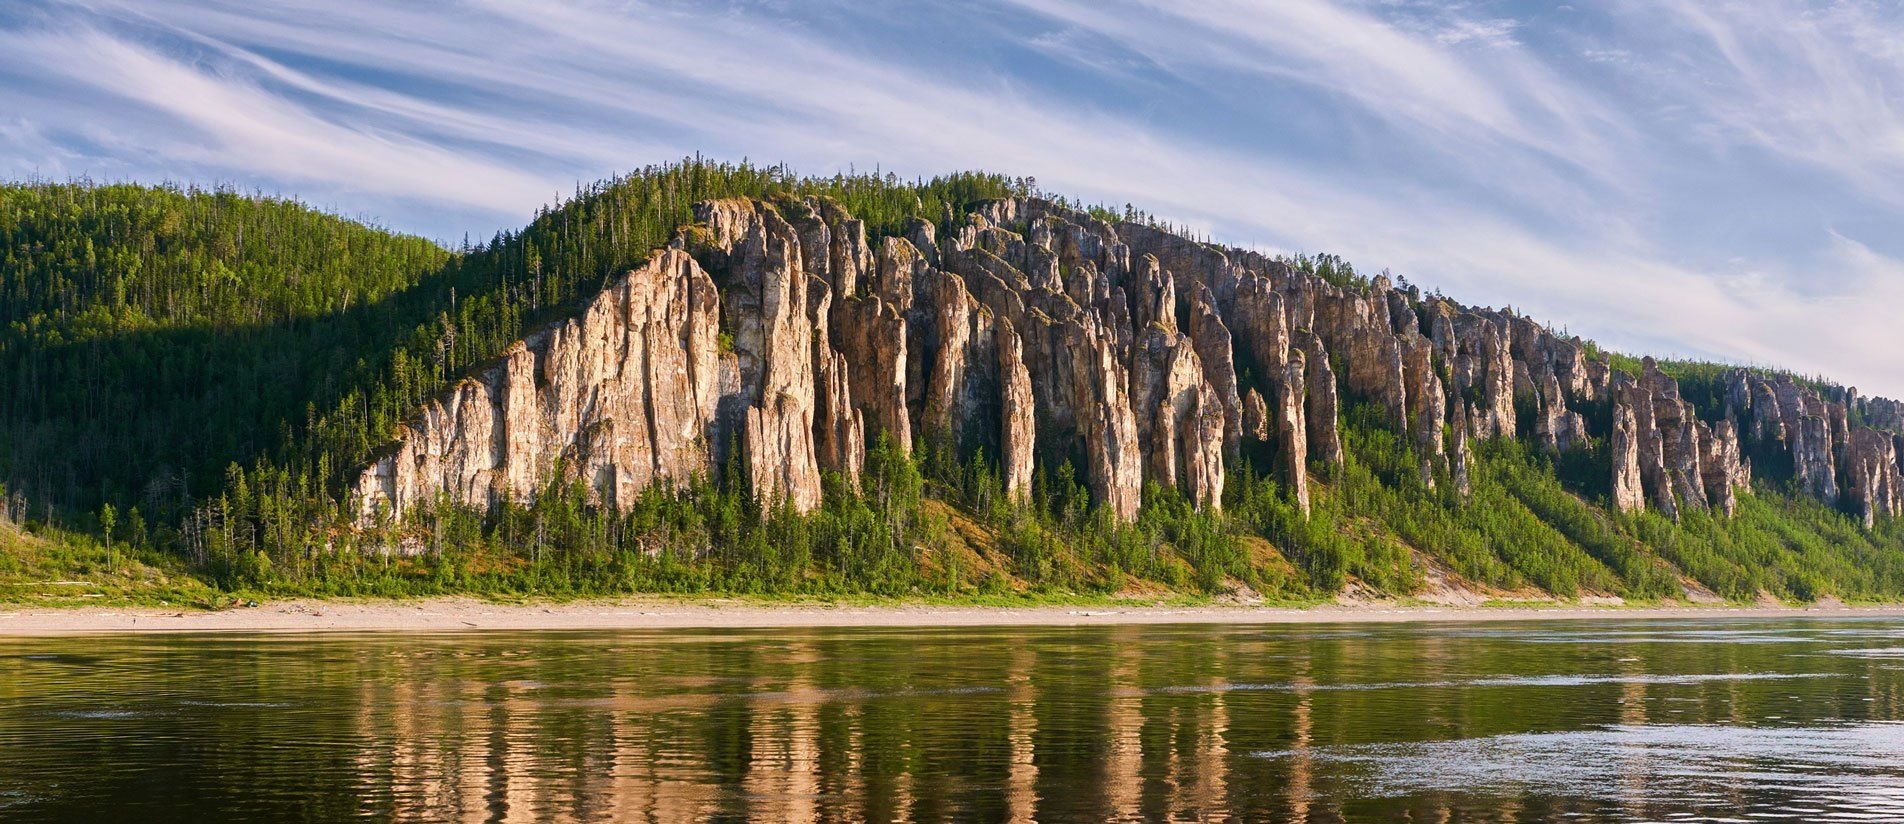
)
(55, 568)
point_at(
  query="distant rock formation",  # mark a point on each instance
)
(1831, 457)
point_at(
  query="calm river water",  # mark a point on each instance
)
(1593, 721)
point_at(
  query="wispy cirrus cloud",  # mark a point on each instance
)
(219, 121)
(1670, 181)
(1818, 83)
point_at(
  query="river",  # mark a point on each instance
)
(1600, 720)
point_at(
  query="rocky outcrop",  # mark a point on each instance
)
(1677, 426)
(1186, 441)
(1200, 441)
(1107, 426)
(1636, 399)
(1837, 443)
(1811, 458)
(1017, 416)
(1041, 335)
(869, 326)
(1460, 454)
(1323, 424)
(1258, 307)
(1480, 364)
(944, 347)
(765, 302)
(1358, 326)
(872, 338)
(1292, 441)
(1880, 413)
(622, 395)
(1723, 465)
(839, 431)
(1255, 417)
(1663, 453)
(1628, 494)
(1427, 406)
(1557, 428)
(1873, 479)
(1216, 352)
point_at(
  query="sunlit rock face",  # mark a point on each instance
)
(624, 394)
(780, 341)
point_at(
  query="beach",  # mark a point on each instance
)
(470, 614)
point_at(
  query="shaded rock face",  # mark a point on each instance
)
(1460, 454)
(778, 339)
(1255, 417)
(1677, 428)
(1191, 423)
(1840, 451)
(1358, 326)
(1837, 449)
(1481, 366)
(1427, 406)
(1872, 475)
(1323, 425)
(839, 430)
(1557, 428)
(869, 327)
(1811, 458)
(946, 345)
(1216, 351)
(1723, 465)
(1880, 413)
(1635, 399)
(1107, 427)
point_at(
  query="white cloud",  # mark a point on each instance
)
(1498, 112)
(1820, 83)
(1485, 32)
(491, 107)
(232, 123)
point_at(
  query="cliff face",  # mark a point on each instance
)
(622, 393)
(776, 339)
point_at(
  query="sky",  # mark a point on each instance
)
(1720, 179)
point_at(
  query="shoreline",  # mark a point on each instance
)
(462, 614)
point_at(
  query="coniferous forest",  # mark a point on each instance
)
(193, 378)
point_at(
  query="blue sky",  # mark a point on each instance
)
(1688, 177)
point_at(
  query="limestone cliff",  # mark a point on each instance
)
(776, 339)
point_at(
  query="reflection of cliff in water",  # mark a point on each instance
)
(1309, 724)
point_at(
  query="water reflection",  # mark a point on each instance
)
(1580, 722)
(1851, 772)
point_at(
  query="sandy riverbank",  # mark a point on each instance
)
(465, 614)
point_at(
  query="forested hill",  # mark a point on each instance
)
(861, 384)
